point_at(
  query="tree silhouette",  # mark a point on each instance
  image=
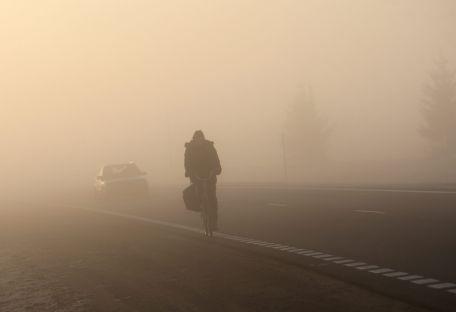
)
(439, 110)
(306, 133)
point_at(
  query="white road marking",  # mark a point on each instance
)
(306, 253)
(370, 211)
(323, 256)
(442, 285)
(333, 258)
(416, 279)
(368, 267)
(282, 247)
(272, 245)
(289, 248)
(303, 252)
(298, 250)
(343, 261)
(395, 274)
(268, 245)
(248, 241)
(355, 264)
(314, 254)
(381, 271)
(425, 281)
(294, 249)
(260, 244)
(410, 277)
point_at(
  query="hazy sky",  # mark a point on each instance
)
(87, 82)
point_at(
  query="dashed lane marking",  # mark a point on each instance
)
(302, 252)
(343, 261)
(337, 260)
(315, 254)
(356, 264)
(395, 274)
(294, 249)
(306, 252)
(283, 248)
(425, 281)
(410, 277)
(323, 256)
(381, 271)
(333, 258)
(288, 248)
(443, 285)
(368, 267)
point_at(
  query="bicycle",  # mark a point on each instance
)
(206, 210)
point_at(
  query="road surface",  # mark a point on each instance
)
(57, 257)
(406, 237)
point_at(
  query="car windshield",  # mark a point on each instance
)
(121, 171)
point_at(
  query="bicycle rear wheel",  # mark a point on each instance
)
(206, 223)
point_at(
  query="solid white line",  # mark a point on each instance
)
(425, 281)
(442, 285)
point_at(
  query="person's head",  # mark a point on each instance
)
(198, 136)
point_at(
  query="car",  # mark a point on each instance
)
(118, 180)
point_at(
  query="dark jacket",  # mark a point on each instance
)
(201, 159)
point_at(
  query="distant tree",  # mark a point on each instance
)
(306, 133)
(439, 110)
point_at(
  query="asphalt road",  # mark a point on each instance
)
(403, 231)
(56, 257)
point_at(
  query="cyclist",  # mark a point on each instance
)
(202, 162)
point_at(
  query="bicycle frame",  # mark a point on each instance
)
(205, 215)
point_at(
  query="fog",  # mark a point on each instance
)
(85, 83)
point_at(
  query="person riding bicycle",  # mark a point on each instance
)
(202, 162)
